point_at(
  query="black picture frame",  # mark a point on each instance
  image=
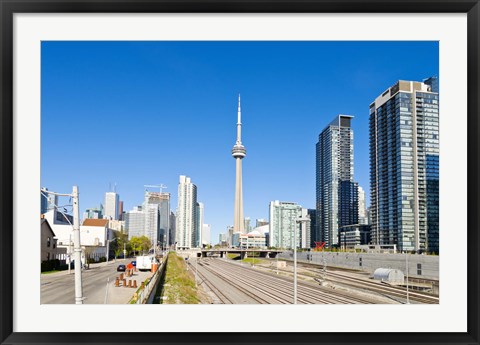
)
(7, 10)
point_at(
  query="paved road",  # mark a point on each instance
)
(59, 288)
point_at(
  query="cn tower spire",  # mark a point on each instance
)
(239, 123)
(238, 152)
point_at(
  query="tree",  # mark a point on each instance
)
(141, 243)
(121, 243)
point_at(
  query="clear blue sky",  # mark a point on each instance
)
(136, 113)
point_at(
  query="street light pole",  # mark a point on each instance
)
(299, 221)
(196, 269)
(406, 260)
(295, 263)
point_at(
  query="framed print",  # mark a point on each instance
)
(347, 214)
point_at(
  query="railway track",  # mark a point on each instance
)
(269, 288)
(394, 292)
(219, 294)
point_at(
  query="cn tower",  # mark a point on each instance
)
(238, 152)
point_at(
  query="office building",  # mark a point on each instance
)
(162, 200)
(186, 222)
(135, 222)
(404, 163)
(120, 210)
(152, 222)
(336, 191)
(111, 206)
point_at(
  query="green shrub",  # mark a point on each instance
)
(50, 265)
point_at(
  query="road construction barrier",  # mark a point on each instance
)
(146, 292)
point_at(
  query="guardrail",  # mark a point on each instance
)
(145, 295)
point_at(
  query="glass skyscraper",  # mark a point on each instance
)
(404, 163)
(337, 193)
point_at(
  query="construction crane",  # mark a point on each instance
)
(161, 186)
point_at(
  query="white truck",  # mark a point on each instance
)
(145, 262)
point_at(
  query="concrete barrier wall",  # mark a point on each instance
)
(419, 266)
(158, 274)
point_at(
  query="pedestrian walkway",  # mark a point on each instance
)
(123, 294)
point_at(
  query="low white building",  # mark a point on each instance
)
(93, 236)
(258, 238)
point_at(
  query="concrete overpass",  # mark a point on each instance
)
(263, 253)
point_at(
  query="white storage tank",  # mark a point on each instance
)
(389, 275)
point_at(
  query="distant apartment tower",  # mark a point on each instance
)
(362, 208)
(172, 225)
(93, 213)
(223, 239)
(247, 227)
(111, 206)
(260, 222)
(404, 163)
(199, 226)
(312, 213)
(336, 192)
(206, 231)
(186, 213)
(43, 202)
(283, 223)
(47, 201)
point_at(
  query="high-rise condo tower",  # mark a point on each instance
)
(337, 193)
(404, 164)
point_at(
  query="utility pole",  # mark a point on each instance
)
(70, 254)
(77, 248)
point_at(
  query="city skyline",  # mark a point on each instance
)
(281, 164)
